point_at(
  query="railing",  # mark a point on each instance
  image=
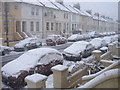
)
(108, 79)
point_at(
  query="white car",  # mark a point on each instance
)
(107, 39)
(38, 60)
(78, 50)
(98, 43)
(28, 43)
(75, 37)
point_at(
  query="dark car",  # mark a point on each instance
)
(55, 39)
(27, 44)
(38, 60)
(5, 50)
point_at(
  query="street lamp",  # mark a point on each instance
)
(6, 22)
(98, 20)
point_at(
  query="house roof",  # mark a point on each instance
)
(34, 2)
(70, 8)
(48, 4)
(61, 7)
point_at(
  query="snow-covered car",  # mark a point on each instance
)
(98, 43)
(86, 36)
(5, 50)
(75, 37)
(108, 39)
(78, 50)
(93, 34)
(61, 40)
(38, 60)
(27, 44)
(55, 39)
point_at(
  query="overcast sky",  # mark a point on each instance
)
(104, 7)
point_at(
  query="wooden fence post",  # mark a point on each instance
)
(36, 81)
(60, 74)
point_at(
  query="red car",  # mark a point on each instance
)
(55, 39)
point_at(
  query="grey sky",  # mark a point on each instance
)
(104, 8)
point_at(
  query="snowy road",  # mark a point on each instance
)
(8, 58)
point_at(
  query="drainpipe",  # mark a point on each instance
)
(6, 21)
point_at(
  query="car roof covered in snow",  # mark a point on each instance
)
(30, 59)
(25, 41)
(76, 47)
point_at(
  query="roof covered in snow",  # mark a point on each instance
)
(61, 7)
(70, 8)
(47, 3)
(34, 2)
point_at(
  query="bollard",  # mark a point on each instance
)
(36, 81)
(96, 54)
(60, 74)
(112, 48)
(118, 52)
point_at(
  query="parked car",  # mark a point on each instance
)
(78, 50)
(75, 37)
(93, 34)
(55, 39)
(27, 44)
(5, 50)
(38, 60)
(98, 43)
(107, 39)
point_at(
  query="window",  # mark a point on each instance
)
(47, 26)
(32, 11)
(37, 26)
(32, 26)
(59, 26)
(17, 26)
(51, 26)
(37, 11)
(16, 7)
(56, 26)
(23, 26)
(67, 26)
(64, 15)
(72, 26)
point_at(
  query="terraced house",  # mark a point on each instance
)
(25, 18)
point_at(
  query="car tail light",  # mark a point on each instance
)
(49, 40)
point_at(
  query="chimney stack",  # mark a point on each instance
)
(89, 11)
(59, 1)
(77, 5)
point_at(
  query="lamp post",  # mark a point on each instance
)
(6, 22)
(98, 20)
